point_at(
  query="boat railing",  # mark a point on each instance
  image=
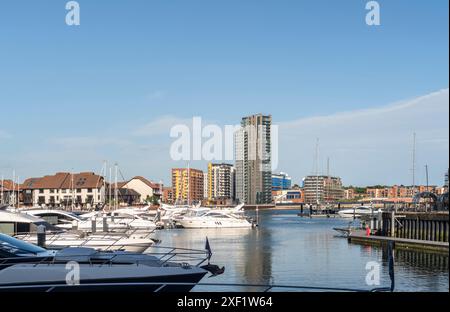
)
(52, 235)
(164, 286)
(180, 256)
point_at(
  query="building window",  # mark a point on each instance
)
(90, 190)
(41, 191)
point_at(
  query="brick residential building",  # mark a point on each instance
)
(187, 185)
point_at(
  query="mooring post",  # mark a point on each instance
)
(74, 225)
(94, 224)
(380, 222)
(105, 223)
(393, 224)
(41, 236)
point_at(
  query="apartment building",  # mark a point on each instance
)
(398, 191)
(187, 185)
(321, 189)
(220, 182)
(281, 181)
(253, 160)
(168, 195)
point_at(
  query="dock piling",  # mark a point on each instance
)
(41, 236)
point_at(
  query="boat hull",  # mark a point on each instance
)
(200, 224)
(99, 279)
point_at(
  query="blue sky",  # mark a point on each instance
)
(71, 97)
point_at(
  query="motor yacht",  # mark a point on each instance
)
(103, 242)
(114, 222)
(26, 267)
(68, 220)
(13, 223)
(131, 218)
(24, 226)
(358, 211)
(204, 218)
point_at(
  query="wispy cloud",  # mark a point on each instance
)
(156, 95)
(88, 142)
(367, 146)
(373, 144)
(4, 135)
(160, 126)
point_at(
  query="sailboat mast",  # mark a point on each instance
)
(13, 189)
(72, 190)
(2, 191)
(189, 184)
(109, 191)
(116, 202)
(104, 182)
(18, 192)
(317, 172)
(414, 164)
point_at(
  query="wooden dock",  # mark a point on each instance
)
(360, 237)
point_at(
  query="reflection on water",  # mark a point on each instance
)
(288, 250)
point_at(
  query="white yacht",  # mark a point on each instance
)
(26, 267)
(117, 222)
(209, 218)
(134, 219)
(358, 211)
(13, 223)
(24, 227)
(102, 242)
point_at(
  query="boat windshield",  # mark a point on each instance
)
(196, 213)
(18, 247)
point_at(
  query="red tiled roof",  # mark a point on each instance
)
(149, 183)
(64, 180)
(8, 185)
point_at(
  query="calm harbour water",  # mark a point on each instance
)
(289, 250)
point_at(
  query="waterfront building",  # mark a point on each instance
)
(144, 187)
(167, 195)
(446, 180)
(349, 194)
(8, 191)
(220, 182)
(322, 189)
(64, 189)
(253, 160)
(206, 185)
(125, 196)
(290, 196)
(398, 192)
(281, 181)
(187, 185)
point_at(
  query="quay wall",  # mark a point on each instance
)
(416, 225)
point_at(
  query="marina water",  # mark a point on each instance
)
(289, 250)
